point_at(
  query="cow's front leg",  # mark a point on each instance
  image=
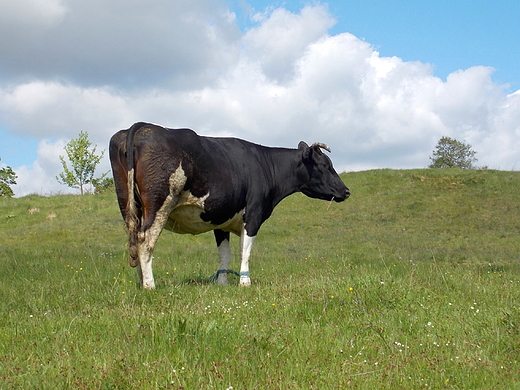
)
(224, 254)
(246, 242)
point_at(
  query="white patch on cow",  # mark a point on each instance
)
(185, 217)
(131, 204)
(147, 240)
(235, 225)
(246, 242)
(224, 254)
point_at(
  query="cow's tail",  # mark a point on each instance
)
(133, 205)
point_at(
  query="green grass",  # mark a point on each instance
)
(412, 283)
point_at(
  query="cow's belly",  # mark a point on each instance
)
(187, 219)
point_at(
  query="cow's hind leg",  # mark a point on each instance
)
(224, 254)
(157, 209)
(146, 240)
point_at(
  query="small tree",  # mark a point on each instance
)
(450, 153)
(103, 184)
(7, 179)
(83, 159)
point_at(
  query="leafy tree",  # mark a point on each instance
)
(7, 178)
(450, 153)
(103, 184)
(84, 160)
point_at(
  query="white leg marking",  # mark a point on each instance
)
(246, 242)
(147, 240)
(224, 254)
(145, 247)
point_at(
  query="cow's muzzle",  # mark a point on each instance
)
(341, 197)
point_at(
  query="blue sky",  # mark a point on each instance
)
(382, 80)
(17, 149)
(450, 35)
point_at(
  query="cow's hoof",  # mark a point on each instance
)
(222, 280)
(149, 286)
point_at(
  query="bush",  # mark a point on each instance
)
(450, 153)
(7, 178)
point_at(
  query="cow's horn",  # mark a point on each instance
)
(320, 145)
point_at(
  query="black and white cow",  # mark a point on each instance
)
(174, 179)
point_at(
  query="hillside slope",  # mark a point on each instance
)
(411, 283)
(415, 215)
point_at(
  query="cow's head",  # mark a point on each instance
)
(318, 178)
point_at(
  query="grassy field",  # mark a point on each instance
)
(413, 282)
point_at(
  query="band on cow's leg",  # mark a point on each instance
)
(224, 254)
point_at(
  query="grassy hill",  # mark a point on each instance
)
(413, 282)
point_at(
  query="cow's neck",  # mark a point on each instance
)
(284, 169)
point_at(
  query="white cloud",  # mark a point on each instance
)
(51, 109)
(286, 80)
(40, 177)
(127, 44)
(282, 37)
(499, 145)
(32, 13)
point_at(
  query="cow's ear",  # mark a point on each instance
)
(307, 151)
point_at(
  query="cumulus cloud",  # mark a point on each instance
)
(284, 80)
(128, 44)
(282, 37)
(52, 109)
(40, 177)
(32, 13)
